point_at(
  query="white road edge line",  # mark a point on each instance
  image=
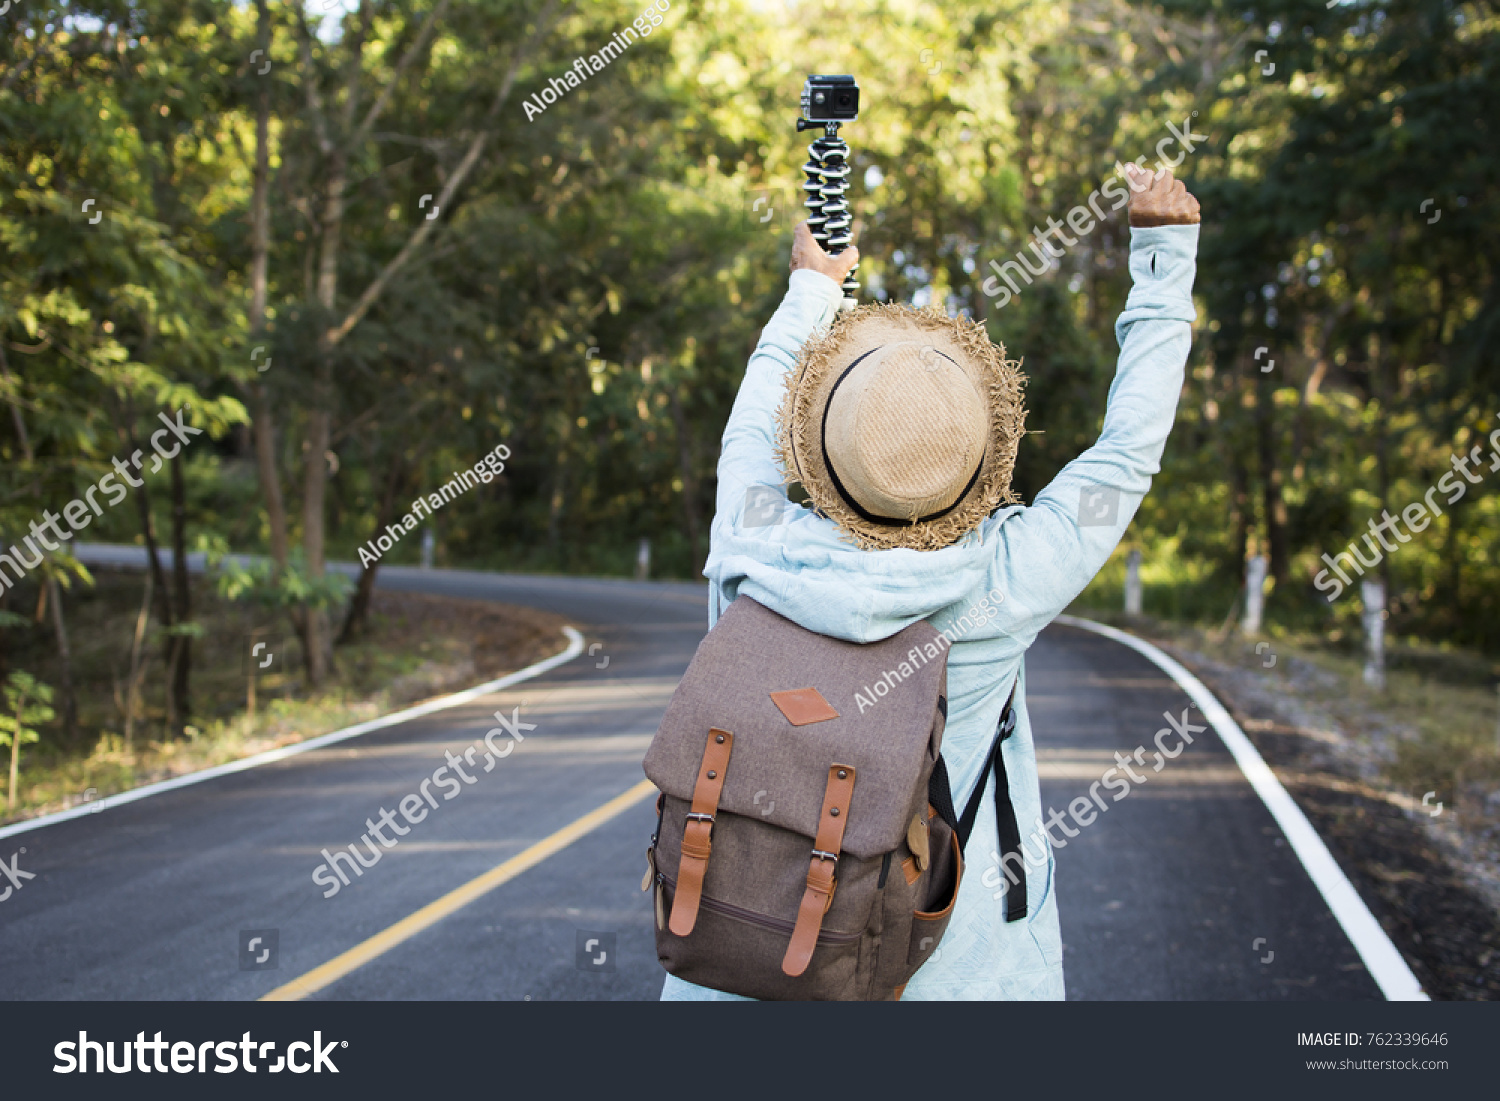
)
(1381, 957)
(574, 648)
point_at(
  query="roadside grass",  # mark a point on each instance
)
(61, 781)
(415, 647)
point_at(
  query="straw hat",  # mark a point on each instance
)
(902, 425)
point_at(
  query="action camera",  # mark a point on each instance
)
(830, 99)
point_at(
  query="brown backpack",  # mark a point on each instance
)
(806, 843)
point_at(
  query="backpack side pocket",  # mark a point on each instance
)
(938, 893)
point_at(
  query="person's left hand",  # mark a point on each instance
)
(807, 253)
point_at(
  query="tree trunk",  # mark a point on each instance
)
(65, 657)
(15, 755)
(137, 664)
(1241, 515)
(355, 620)
(1241, 507)
(269, 476)
(181, 598)
(1272, 503)
(316, 642)
(319, 424)
(260, 247)
(153, 558)
(1382, 450)
(359, 605)
(159, 585)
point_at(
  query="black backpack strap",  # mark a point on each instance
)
(940, 795)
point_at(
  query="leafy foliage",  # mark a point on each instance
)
(591, 290)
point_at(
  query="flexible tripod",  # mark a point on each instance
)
(827, 182)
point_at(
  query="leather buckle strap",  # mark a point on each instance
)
(697, 835)
(818, 896)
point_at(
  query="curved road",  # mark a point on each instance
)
(1187, 889)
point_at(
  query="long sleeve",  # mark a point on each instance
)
(1053, 549)
(748, 457)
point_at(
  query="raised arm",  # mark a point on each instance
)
(748, 456)
(1053, 549)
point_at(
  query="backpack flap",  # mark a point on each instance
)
(797, 703)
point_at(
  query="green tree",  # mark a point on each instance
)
(26, 704)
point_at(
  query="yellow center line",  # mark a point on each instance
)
(434, 912)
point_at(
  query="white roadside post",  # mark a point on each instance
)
(427, 544)
(643, 560)
(1373, 595)
(1255, 589)
(1133, 583)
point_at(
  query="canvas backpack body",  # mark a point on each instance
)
(806, 845)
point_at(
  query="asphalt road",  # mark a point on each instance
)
(1185, 890)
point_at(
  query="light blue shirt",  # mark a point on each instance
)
(1032, 561)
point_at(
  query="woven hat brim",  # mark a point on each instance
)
(819, 364)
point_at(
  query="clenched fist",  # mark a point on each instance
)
(1157, 199)
(807, 253)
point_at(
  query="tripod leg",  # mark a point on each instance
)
(825, 188)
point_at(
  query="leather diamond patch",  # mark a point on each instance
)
(803, 706)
